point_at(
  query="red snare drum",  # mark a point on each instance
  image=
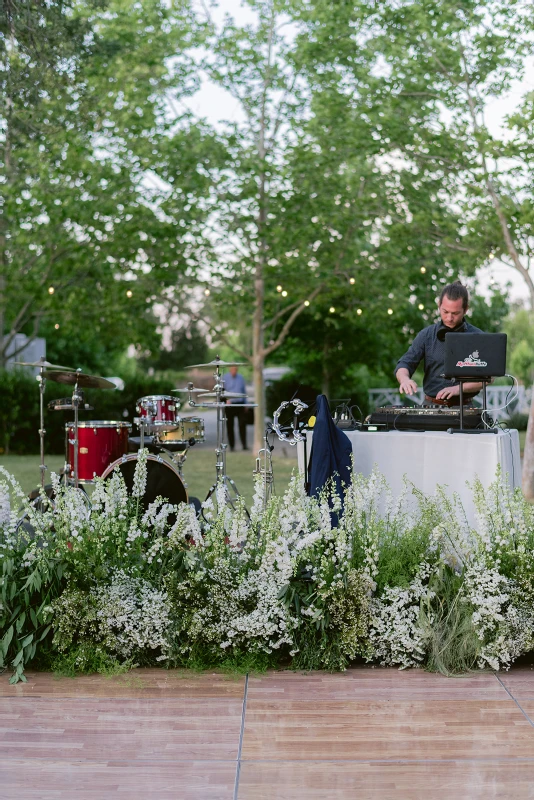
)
(100, 443)
(157, 411)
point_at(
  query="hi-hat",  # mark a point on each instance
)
(41, 363)
(84, 381)
(217, 363)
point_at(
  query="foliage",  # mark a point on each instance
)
(107, 585)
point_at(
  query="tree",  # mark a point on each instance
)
(303, 206)
(87, 242)
(437, 66)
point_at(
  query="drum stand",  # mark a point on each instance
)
(231, 489)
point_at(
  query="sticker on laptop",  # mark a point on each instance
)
(472, 361)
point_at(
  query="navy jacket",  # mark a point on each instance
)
(331, 452)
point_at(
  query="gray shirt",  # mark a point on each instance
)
(235, 384)
(429, 346)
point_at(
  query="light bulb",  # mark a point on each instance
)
(359, 311)
(420, 307)
(306, 303)
(390, 311)
(353, 281)
(51, 290)
(332, 310)
(278, 288)
(207, 292)
(284, 293)
(56, 326)
(423, 270)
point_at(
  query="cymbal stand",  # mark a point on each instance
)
(221, 447)
(77, 398)
(42, 385)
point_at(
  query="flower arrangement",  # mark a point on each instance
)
(102, 583)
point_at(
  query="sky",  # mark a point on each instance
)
(215, 105)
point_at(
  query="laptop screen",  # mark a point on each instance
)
(475, 355)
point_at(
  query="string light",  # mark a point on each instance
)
(390, 311)
(207, 292)
(421, 307)
(332, 310)
(278, 288)
(491, 256)
(359, 311)
(423, 270)
(284, 293)
(129, 293)
(352, 281)
(56, 326)
(306, 303)
(51, 290)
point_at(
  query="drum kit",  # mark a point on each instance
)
(95, 448)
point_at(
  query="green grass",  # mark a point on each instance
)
(199, 470)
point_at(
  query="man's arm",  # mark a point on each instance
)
(409, 362)
(454, 391)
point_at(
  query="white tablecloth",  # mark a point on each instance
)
(429, 459)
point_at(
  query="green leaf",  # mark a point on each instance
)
(18, 658)
(20, 622)
(6, 640)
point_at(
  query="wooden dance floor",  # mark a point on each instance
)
(368, 733)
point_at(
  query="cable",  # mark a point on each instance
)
(507, 402)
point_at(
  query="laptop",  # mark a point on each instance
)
(475, 355)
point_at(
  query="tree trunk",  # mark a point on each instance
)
(258, 359)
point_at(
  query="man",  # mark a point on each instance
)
(429, 346)
(235, 384)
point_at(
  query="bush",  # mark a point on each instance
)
(518, 421)
(19, 409)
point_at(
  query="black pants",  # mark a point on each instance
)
(231, 414)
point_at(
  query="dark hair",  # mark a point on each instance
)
(455, 291)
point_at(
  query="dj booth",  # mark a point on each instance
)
(432, 458)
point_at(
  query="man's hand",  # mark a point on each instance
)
(448, 392)
(406, 385)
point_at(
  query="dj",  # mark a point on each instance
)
(429, 345)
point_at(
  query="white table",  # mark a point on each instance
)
(432, 458)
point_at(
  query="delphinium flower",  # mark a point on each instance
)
(140, 474)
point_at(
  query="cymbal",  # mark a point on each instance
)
(222, 395)
(189, 391)
(217, 363)
(41, 363)
(84, 381)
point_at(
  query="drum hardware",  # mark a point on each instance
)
(264, 467)
(281, 431)
(219, 397)
(65, 404)
(43, 365)
(78, 380)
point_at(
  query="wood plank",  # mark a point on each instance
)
(370, 683)
(452, 780)
(28, 779)
(132, 729)
(362, 730)
(136, 683)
